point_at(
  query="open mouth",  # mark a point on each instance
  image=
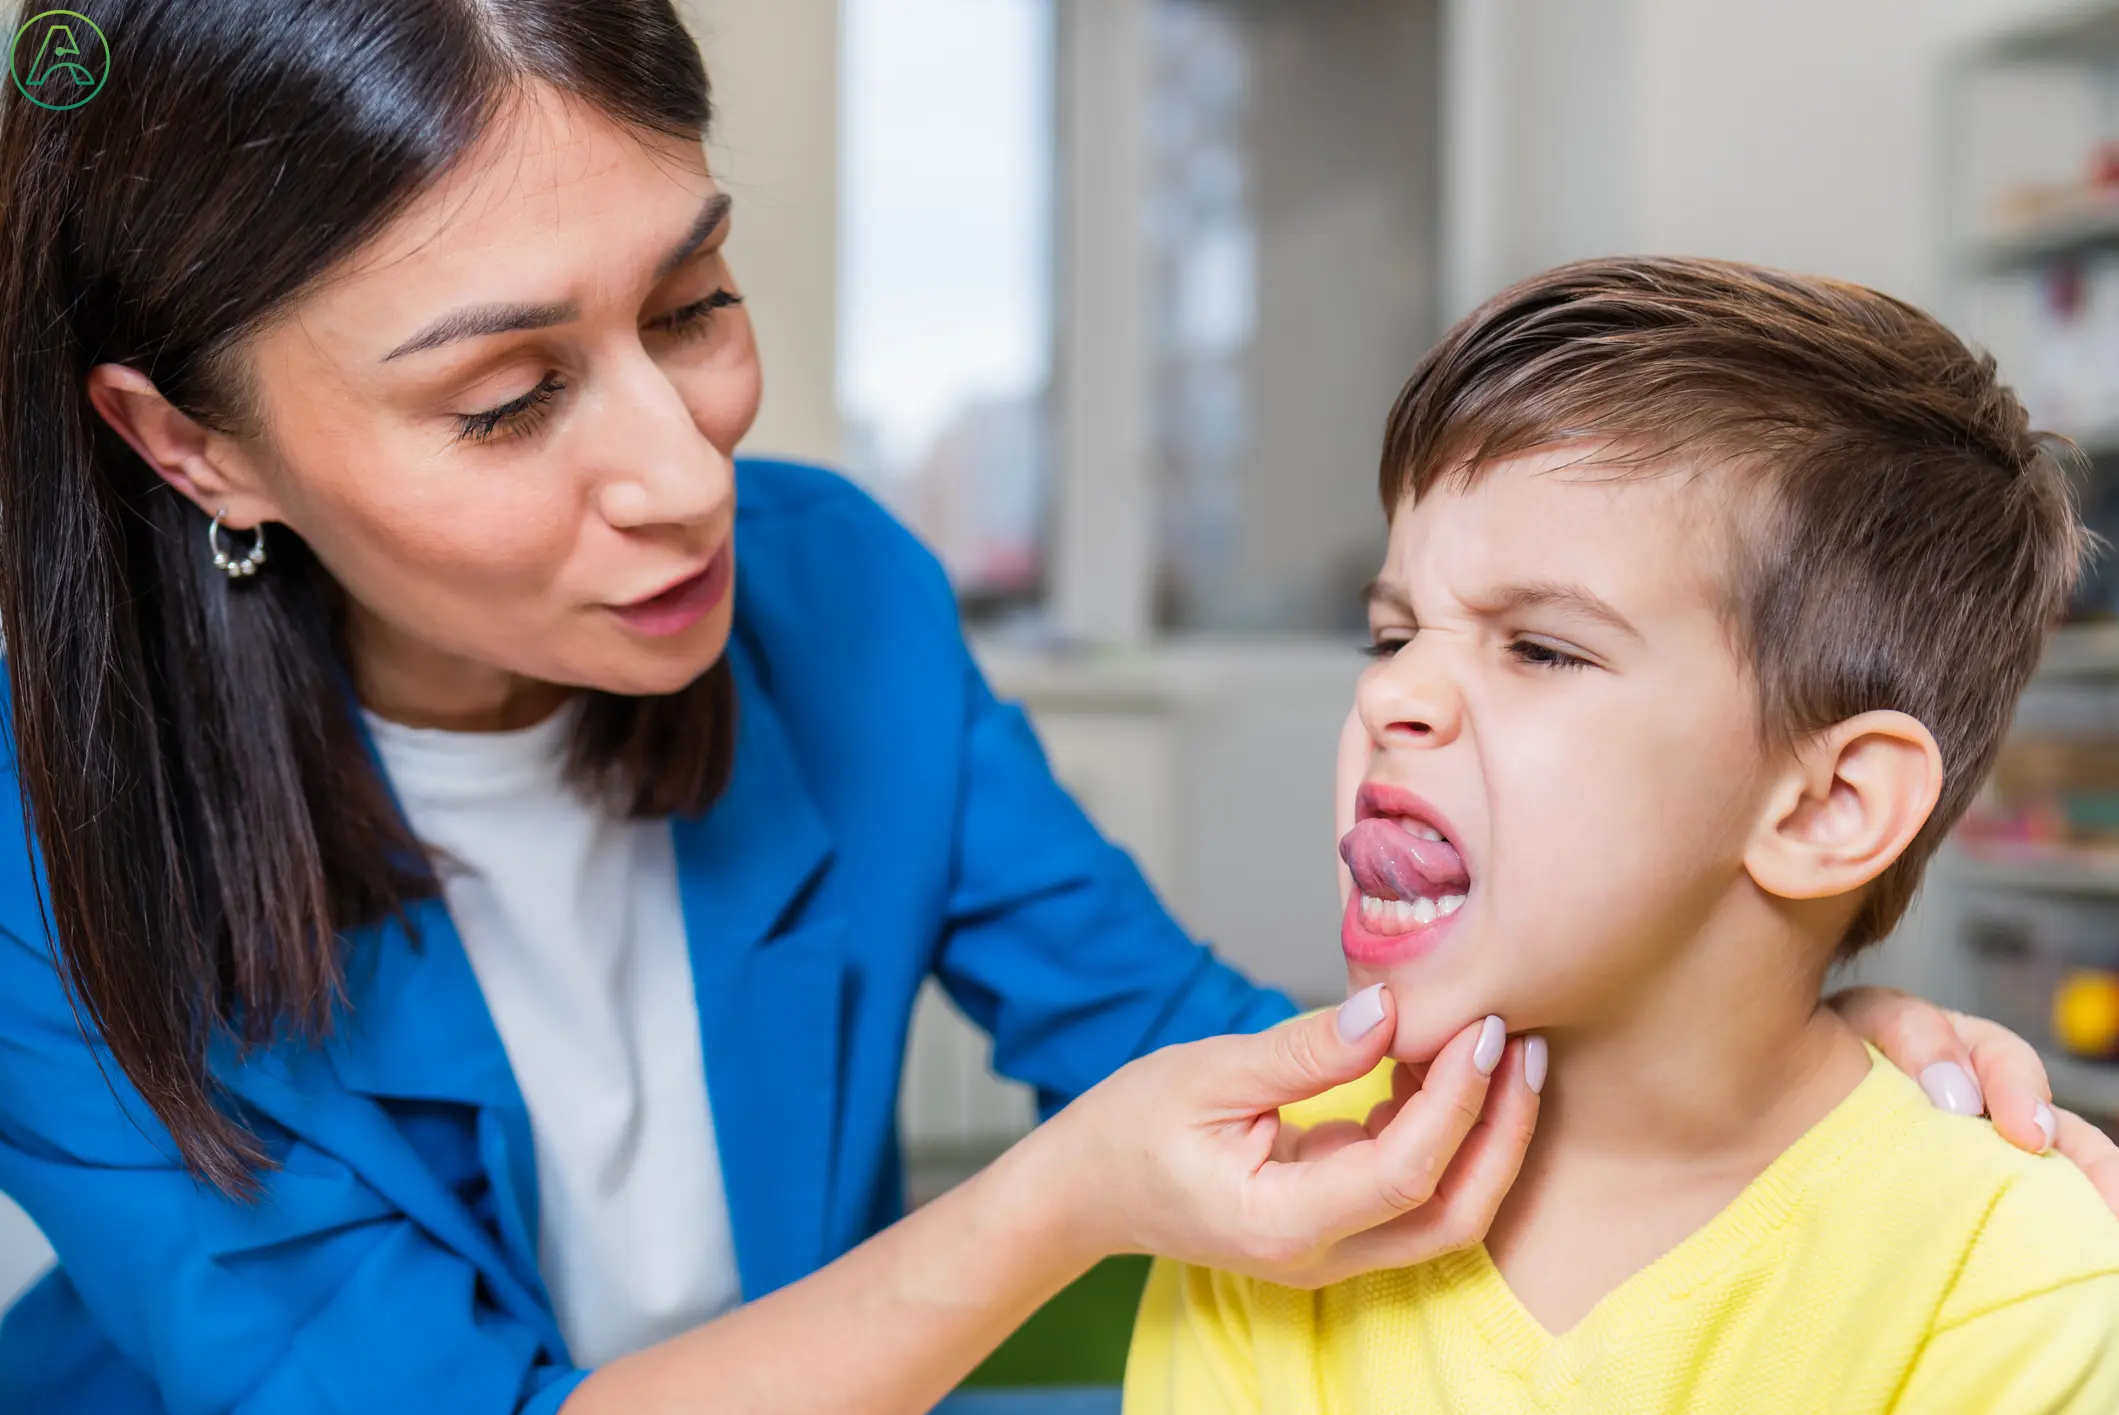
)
(678, 606)
(1408, 871)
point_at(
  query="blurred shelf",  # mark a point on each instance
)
(2077, 233)
(2082, 651)
(2098, 439)
(2081, 33)
(2087, 1087)
(2042, 874)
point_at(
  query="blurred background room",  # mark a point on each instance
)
(1125, 287)
(1107, 299)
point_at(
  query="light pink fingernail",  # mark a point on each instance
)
(1535, 1061)
(1359, 1014)
(2047, 1122)
(1493, 1038)
(1950, 1087)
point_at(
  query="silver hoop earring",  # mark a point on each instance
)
(235, 567)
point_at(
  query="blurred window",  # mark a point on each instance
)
(1293, 228)
(946, 278)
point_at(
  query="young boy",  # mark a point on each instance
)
(1709, 595)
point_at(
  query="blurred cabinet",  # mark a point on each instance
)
(2035, 873)
(2029, 889)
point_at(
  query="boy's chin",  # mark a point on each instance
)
(1428, 1017)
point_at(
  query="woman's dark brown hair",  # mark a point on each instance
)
(190, 766)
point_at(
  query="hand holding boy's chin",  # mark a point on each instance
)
(1429, 1012)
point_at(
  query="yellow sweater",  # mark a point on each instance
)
(1893, 1259)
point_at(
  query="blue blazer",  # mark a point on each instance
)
(887, 819)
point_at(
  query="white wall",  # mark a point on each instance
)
(774, 65)
(1797, 133)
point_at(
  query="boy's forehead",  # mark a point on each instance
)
(1656, 534)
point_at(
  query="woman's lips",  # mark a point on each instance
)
(683, 604)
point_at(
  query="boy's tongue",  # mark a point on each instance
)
(1390, 862)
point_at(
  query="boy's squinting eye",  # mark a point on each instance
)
(1537, 655)
(1386, 643)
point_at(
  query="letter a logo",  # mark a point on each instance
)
(59, 60)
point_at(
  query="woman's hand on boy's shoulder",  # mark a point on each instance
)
(1973, 1066)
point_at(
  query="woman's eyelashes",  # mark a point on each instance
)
(515, 417)
(689, 321)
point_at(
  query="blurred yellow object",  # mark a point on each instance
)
(2086, 1013)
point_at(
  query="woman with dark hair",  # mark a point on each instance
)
(462, 940)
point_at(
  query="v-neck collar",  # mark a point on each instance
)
(1550, 1365)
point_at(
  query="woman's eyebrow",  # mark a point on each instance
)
(710, 218)
(478, 321)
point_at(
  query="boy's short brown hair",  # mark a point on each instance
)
(1913, 540)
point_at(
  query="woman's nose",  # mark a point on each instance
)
(659, 468)
(1410, 701)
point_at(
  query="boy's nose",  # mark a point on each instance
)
(1408, 703)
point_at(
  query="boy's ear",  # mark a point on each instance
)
(200, 464)
(1847, 808)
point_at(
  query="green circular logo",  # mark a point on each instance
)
(59, 59)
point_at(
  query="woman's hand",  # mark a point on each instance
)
(1173, 1155)
(1182, 1153)
(1970, 1065)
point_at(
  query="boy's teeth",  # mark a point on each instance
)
(1398, 915)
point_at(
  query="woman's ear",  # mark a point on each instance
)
(1853, 800)
(201, 464)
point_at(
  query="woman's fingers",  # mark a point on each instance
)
(1919, 1040)
(1418, 1145)
(1361, 1185)
(1308, 1056)
(1321, 1140)
(2013, 1080)
(2092, 1151)
(1965, 1064)
(1492, 1156)
(1463, 1209)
